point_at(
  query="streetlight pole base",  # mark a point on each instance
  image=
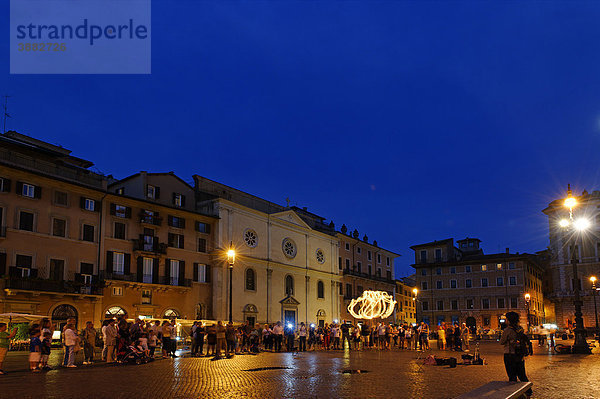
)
(581, 346)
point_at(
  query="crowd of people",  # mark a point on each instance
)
(117, 336)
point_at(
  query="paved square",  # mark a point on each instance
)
(307, 375)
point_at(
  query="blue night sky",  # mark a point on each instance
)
(410, 121)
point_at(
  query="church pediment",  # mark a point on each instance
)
(291, 217)
(290, 301)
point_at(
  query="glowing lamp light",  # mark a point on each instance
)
(563, 223)
(582, 224)
(527, 297)
(290, 325)
(312, 325)
(570, 202)
(231, 256)
(335, 321)
(593, 279)
(371, 305)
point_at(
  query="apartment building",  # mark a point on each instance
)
(75, 243)
(462, 284)
(564, 243)
(406, 303)
(365, 266)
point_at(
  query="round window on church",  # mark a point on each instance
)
(250, 238)
(289, 248)
(320, 256)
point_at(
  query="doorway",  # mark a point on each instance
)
(289, 317)
(472, 324)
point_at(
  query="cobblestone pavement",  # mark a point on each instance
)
(307, 375)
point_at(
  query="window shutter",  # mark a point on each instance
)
(37, 192)
(109, 262)
(182, 200)
(19, 188)
(182, 237)
(182, 221)
(128, 212)
(113, 209)
(174, 198)
(197, 225)
(155, 271)
(6, 185)
(207, 228)
(2, 263)
(207, 273)
(140, 268)
(127, 264)
(181, 272)
(168, 269)
(196, 272)
(33, 273)
(157, 193)
(170, 220)
(170, 239)
(82, 202)
(97, 206)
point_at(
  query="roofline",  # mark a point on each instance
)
(371, 245)
(432, 243)
(120, 181)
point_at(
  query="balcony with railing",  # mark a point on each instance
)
(18, 282)
(354, 272)
(149, 244)
(147, 279)
(148, 218)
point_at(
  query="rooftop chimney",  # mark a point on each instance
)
(507, 251)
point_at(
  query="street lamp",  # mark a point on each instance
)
(527, 299)
(576, 226)
(231, 261)
(415, 291)
(595, 290)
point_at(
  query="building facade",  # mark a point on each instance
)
(365, 266)
(462, 284)
(286, 265)
(564, 244)
(73, 246)
(406, 308)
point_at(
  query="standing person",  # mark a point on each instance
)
(46, 349)
(312, 337)
(194, 346)
(401, 336)
(174, 334)
(441, 341)
(424, 336)
(335, 333)
(289, 332)
(278, 333)
(326, 336)
(211, 340)
(35, 350)
(457, 335)
(152, 342)
(5, 338)
(267, 334)
(302, 338)
(71, 340)
(89, 342)
(356, 336)
(465, 336)
(345, 335)
(408, 333)
(110, 340)
(230, 338)
(167, 345)
(221, 342)
(514, 363)
(365, 332)
(103, 332)
(200, 332)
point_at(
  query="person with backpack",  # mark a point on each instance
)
(516, 347)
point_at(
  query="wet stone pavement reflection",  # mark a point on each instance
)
(305, 375)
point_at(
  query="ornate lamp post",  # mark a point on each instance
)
(527, 300)
(231, 261)
(575, 227)
(595, 290)
(415, 291)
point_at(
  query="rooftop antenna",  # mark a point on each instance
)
(6, 115)
(288, 202)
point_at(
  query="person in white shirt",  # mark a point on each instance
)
(109, 335)
(278, 333)
(302, 337)
(71, 339)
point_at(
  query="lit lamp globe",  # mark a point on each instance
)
(582, 224)
(570, 202)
